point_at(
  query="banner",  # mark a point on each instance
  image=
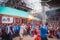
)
(6, 19)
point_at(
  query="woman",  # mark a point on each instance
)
(38, 35)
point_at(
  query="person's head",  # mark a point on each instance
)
(0, 26)
(46, 24)
(13, 24)
(10, 25)
(22, 24)
(5, 24)
(18, 24)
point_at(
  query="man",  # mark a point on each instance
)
(9, 31)
(43, 32)
(0, 33)
(14, 29)
(17, 29)
(21, 31)
(4, 34)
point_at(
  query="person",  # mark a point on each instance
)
(28, 29)
(55, 32)
(0, 33)
(4, 34)
(11, 33)
(43, 32)
(58, 33)
(37, 34)
(32, 29)
(37, 37)
(16, 29)
(25, 29)
(8, 31)
(51, 31)
(21, 31)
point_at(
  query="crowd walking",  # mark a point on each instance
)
(42, 32)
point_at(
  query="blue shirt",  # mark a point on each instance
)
(44, 31)
(33, 26)
(18, 28)
(15, 28)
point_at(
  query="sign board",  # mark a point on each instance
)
(6, 19)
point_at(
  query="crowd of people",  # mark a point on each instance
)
(54, 31)
(9, 31)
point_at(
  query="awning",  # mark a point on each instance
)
(14, 12)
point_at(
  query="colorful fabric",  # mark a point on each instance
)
(38, 37)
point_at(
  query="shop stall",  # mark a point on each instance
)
(11, 15)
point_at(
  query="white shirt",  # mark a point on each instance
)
(21, 29)
(8, 29)
(0, 30)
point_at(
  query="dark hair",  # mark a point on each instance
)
(46, 23)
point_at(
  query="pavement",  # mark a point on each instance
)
(32, 38)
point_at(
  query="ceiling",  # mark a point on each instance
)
(54, 3)
(15, 4)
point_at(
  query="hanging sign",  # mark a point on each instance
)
(6, 19)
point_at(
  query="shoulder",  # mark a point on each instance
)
(40, 28)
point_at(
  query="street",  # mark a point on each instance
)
(32, 38)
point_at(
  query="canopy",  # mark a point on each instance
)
(14, 12)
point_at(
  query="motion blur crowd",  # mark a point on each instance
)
(10, 31)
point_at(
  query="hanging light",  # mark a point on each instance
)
(30, 17)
